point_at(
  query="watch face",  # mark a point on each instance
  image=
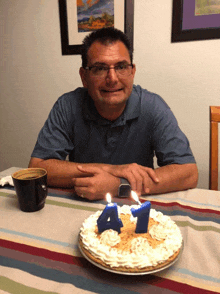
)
(125, 191)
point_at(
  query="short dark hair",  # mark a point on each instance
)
(105, 36)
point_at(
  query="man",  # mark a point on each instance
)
(111, 130)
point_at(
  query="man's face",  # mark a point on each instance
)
(112, 90)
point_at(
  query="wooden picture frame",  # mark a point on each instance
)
(186, 26)
(71, 49)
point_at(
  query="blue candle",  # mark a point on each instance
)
(109, 219)
(142, 213)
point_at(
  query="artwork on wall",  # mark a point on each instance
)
(90, 19)
(195, 20)
(80, 17)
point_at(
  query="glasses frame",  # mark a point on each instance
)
(109, 67)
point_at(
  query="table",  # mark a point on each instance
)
(39, 252)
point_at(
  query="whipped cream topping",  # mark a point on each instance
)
(141, 253)
(110, 237)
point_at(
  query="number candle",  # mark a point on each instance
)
(109, 218)
(142, 213)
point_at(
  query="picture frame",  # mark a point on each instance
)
(186, 26)
(68, 46)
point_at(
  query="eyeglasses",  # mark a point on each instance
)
(102, 70)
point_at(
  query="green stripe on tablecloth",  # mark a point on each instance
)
(57, 203)
(69, 205)
(16, 288)
(197, 228)
(7, 194)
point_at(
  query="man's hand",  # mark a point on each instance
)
(97, 185)
(138, 176)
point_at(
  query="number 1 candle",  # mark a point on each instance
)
(109, 218)
(142, 214)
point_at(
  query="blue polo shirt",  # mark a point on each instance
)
(146, 127)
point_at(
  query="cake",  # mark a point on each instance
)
(128, 251)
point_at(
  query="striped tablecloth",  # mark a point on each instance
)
(39, 252)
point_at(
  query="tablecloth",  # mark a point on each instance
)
(39, 251)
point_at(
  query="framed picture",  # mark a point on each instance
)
(195, 20)
(78, 18)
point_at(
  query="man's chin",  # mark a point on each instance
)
(113, 100)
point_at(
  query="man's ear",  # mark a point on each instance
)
(82, 73)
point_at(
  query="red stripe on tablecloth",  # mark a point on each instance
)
(52, 255)
(185, 207)
(176, 286)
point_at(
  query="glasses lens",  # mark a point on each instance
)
(99, 70)
(124, 69)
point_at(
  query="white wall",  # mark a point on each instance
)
(34, 74)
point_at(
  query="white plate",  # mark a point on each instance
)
(130, 273)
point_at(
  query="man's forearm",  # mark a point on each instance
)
(174, 177)
(61, 173)
(89, 181)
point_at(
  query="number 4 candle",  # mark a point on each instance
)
(142, 214)
(109, 218)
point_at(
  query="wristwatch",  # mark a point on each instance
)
(124, 189)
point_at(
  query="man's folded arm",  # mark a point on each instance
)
(92, 184)
(59, 172)
(174, 177)
(169, 178)
(94, 180)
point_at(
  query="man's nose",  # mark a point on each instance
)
(112, 75)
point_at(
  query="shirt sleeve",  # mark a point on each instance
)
(55, 140)
(170, 143)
